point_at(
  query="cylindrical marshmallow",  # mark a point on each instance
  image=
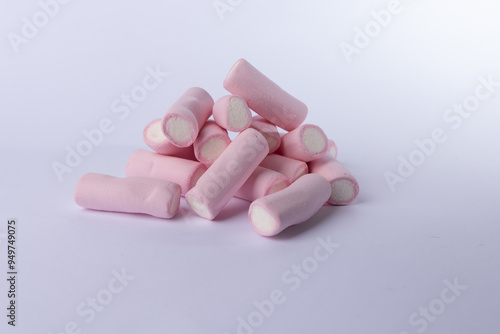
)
(186, 116)
(261, 183)
(181, 171)
(227, 174)
(332, 148)
(269, 131)
(264, 96)
(307, 142)
(344, 187)
(293, 205)
(291, 168)
(210, 143)
(231, 112)
(156, 140)
(131, 194)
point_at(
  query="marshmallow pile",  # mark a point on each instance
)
(288, 177)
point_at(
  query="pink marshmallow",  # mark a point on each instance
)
(210, 143)
(231, 112)
(293, 205)
(156, 140)
(181, 171)
(291, 168)
(261, 183)
(227, 174)
(307, 142)
(332, 148)
(264, 96)
(186, 116)
(344, 187)
(269, 131)
(132, 194)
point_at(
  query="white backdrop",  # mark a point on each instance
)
(409, 90)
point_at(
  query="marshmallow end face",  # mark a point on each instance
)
(239, 116)
(179, 131)
(277, 186)
(344, 191)
(211, 149)
(153, 132)
(174, 205)
(314, 140)
(263, 222)
(199, 207)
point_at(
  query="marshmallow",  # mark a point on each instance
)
(181, 171)
(132, 194)
(293, 205)
(291, 168)
(156, 140)
(306, 143)
(269, 131)
(344, 187)
(211, 141)
(231, 112)
(264, 96)
(261, 183)
(227, 174)
(186, 116)
(332, 148)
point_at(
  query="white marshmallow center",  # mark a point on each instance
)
(342, 191)
(313, 140)
(237, 114)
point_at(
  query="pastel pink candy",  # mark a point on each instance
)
(181, 171)
(227, 174)
(186, 116)
(261, 183)
(332, 148)
(291, 168)
(307, 142)
(231, 112)
(132, 194)
(269, 131)
(156, 140)
(264, 96)
(293, 205)
(211, 141)
(344, 187)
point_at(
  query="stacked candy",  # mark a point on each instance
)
(287, 177)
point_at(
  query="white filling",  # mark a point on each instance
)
(154, 132)
(263, 221)
(277, 186)
(301, 172)
(271, 141)
(333, 151)
(313, 140)
(212, 148)
(178, 129)
(198, 207)
(342, 191)
(174, 206)
(237, 114)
